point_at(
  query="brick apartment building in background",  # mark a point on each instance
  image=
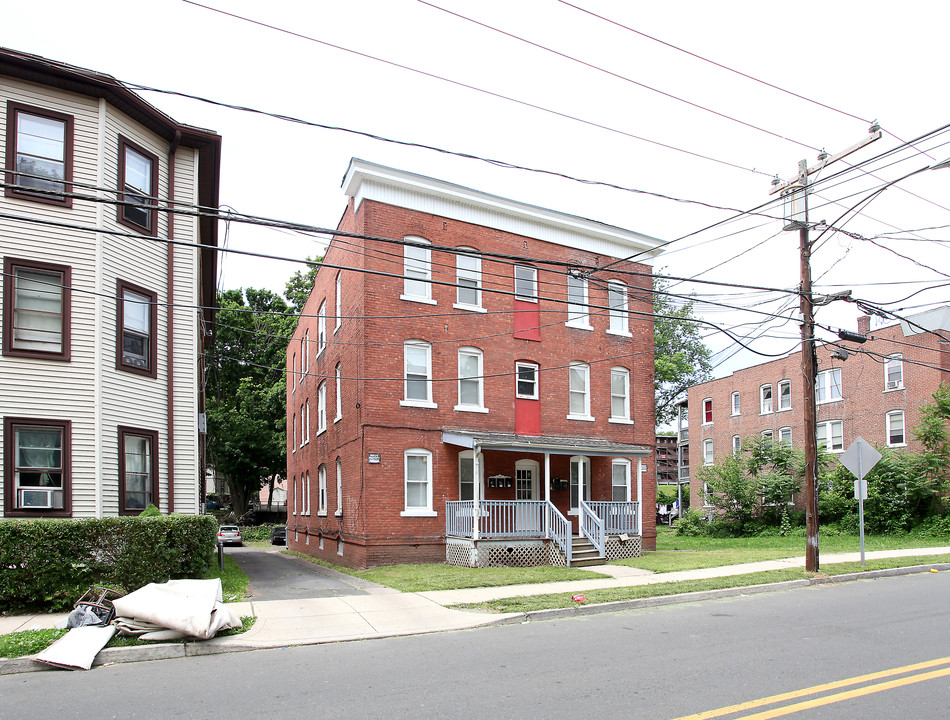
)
(466, 386)
(874, 393)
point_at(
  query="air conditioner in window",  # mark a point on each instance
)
(135, 361)
(41, 499)
(893, 384)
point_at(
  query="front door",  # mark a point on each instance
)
(528, 516)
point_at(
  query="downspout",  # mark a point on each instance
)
(170, 320)
(476, 494)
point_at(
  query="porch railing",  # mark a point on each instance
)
(593, 528)
(508, 519)
(618, 517)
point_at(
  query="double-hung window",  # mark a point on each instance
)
(36, 309)
(39, 159)
(765, 399)
(36, 466)
(619, 309)
(785, 395)
(894, 372)
(339, 301)
(468, 277)
(828, 386)
(305, 354)
(620, 480)
(467, 475)
(577, 307)
(417, 271)
(417, 359)
(138, 470)
(785, 435)
(339, 393)
(137, 323)
(322, 490)
(321, 328)
(339, 487)
(707, 411)
(895, 428)
(735, 403)
(418, 482)
(579, 391)
(138, 179)
(526, 380)
(322, 408)
(619, 395)
(830, 435)
(736, 444)
(707, 452)
(526, 283)
(471, 380)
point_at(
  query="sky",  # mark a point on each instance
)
(691, 108)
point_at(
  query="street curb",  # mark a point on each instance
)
(662, 600)
(165, 651)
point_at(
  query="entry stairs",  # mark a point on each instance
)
(584, 554)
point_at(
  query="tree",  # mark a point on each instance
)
(246, 391)
(681, 359)
(301, 283)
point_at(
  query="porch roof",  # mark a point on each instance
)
(542, 444)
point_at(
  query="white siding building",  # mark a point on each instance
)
(104, 320)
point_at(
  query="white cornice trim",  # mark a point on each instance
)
(368, 181)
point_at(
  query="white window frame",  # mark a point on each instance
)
(417, 271)
(321, 328)
(322, 408)
(418, 510)
(339, 301)
(825, 430)
(305, 505)
(826, 383)
(322, 491)
(293, 422)
(293, 374)
(578, 308)
(769, 435)
(468, 456)
(467, 381)
(468, 268)
(736, 444)
(736, 406)
(574, 486)
(766, 400)
(897, 383)
(303, 439)
(625, 465)
(783, 386)
(417, 345)
(707, 403)
(888, 424)
(623, 374)
(617, 301)
(536, 369)
(526, 279)
(708, 456)
(785, 435)
(338, 373)
(579, 371)
(339, 487)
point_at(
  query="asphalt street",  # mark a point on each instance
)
(276, 576)
(866, 649)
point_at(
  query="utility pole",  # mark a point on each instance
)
(795, 196)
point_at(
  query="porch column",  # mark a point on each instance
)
(476, 492)
(639, 497)
(547, 477)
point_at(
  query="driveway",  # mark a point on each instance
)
(277, 576)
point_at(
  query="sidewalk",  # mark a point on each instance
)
(384, 612)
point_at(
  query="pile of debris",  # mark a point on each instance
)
(158, 611)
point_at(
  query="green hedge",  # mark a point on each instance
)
(46, 565)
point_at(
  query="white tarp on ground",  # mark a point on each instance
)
(193, 608)
(78, 648)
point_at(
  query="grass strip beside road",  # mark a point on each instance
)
(633, 592)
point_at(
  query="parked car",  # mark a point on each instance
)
(278, 536)
(229, 535)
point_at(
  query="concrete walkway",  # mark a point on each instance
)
(383, 612)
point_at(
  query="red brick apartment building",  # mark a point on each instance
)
(467, 386)
(874, 393)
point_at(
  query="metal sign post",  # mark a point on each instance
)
(860, 458)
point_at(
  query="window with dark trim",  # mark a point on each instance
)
(36, 303)
(138, 470)
(138, 179)
(137, 328)
(40, 146)
(36, 466)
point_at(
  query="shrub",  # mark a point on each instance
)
(48, 564)
(692, 524)
(257, 533)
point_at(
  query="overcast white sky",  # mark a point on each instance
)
(869, 60)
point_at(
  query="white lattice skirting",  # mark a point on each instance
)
(526, 553)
